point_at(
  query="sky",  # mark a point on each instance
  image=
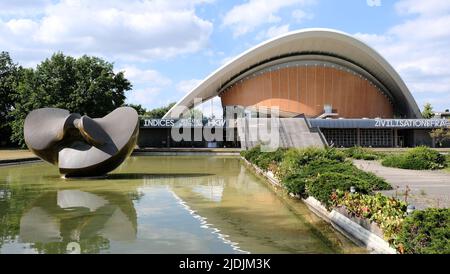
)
(166, 47)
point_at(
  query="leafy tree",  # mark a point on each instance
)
(8, 81)
(427, 112)
(195, 114)
(87, 85)
(139, 108)
(158, 113)
(440, 135)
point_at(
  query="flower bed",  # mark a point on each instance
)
(419, 158)
(388, 213)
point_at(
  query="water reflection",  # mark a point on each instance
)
(59, 217)
(155, 205)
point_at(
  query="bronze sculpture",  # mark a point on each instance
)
(79, 145)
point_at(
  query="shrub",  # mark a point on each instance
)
(295, 159)
(361, 153)
(385, 211)
(307, 155)
(426, 232)
(289, 165)
(251, 154)
(265, 159)
(346, 168)
(326, 184)
(296, 184)
(418, 158)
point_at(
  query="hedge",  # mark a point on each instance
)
(263, 159)
(296, 159)
(361, 153)
(419, 158)
(387, 212)
(426, 232)
(326, 184)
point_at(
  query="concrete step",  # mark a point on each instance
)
(292, 132)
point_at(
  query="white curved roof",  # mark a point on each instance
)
(325, 41)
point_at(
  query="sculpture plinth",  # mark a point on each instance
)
(79, 145)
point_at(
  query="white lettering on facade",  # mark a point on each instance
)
(412, 123)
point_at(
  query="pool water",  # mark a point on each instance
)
(157, 204)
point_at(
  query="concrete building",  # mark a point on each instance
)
(328, 87)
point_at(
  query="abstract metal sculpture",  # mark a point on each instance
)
(79, 145)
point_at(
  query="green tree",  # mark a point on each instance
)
(8, 82)
(195, 113)
(139, 108)
(158, 113)
(427, 112)
(87, 85)
(440, 135)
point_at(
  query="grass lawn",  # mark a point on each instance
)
(7, 154)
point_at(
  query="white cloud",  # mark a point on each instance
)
(273, 31)
(127, 30)
(145, 96)
(186, 86)
(428, 7)
(145, 76)
(23, 7)
(247, 17)
(419, 48)
(373, 3)
(148, 85)
(300, 16)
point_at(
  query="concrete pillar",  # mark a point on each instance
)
(395, 137)
(168, 137)
(358, 137)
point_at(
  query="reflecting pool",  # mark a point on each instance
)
(156, 204)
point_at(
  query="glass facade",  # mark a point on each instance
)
(359, 137)
(341, 137)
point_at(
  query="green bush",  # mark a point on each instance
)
(296, 184)
(263, 159)
(361, 153)
(326, 184)
(251, 154)
(296, 172)
(385, 211)
(346, 168)
(300, 169)
(296, 159)
(310, 154)
(289, 165)
(426, 232)
(419, 158)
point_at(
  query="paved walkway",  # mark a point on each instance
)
(428, 188)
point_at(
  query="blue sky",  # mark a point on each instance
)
(167, 47)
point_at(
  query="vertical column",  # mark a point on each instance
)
(168, 137)
(395, 137)
(358, 137)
